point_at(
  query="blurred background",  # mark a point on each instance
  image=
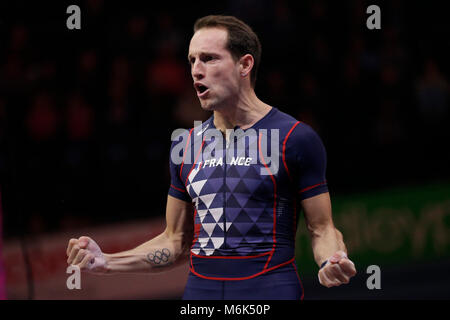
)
(86, 118)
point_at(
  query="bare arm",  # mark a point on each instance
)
(325, 238)
(165, 251)
(327, 242)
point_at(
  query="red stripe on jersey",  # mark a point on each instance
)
(284, 148)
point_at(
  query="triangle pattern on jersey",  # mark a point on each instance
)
(232, 214)
(223, 188)
(243, 217)
(217, 232)
(217, 214)
(202, 240)
(242, 200)
(243, 227)
(217, 202)
(192, 174)
(221, 218)
(200, 204)
(201, 214)
(233, 231)
(202, 234)
(227, 225)
(253, 213)
(197, 186)
(214, 185)
(209, 244)
(209, 228)
(232, 183)
(241, 188)
(252, 173)
(232, 202)
(217, 241)
(208, 199)
(208, 218)
(216, 173)
(264, 187)
(232, 172)
(200, 175)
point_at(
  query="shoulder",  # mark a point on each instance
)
(293, 130)
(304, 133)
(280, 119)
(298, 138)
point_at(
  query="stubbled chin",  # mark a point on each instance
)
(207, 105)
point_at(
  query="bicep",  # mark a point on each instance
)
(179, 221)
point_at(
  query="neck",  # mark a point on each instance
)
(245, 113)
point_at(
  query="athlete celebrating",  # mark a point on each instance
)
(236, 183)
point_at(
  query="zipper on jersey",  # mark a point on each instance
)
(225, 193)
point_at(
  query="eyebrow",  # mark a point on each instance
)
(189, 57)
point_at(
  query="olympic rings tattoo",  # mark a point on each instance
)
(159, 256)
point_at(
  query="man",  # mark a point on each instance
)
(231, 212)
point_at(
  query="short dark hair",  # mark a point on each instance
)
(241, 38)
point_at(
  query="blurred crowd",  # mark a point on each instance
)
(86, 115)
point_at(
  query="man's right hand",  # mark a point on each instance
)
(86, 254)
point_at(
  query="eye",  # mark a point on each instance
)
(207, 58)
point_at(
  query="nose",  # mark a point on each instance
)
(197, 70)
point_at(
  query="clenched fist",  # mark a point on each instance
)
(86, 254)
(338, 270)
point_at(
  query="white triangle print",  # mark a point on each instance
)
(197, 186)
(195, 251)
(217, 242)
(208, 199)
(202, 214)
(203, 242)
(209, 251)
(216, 213)
(193, 173)
(227, 225)
(209, 228)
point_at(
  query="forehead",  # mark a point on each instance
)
(208, 40)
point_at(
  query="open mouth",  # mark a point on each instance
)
(201, 89)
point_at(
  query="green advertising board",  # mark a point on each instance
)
(390, 227)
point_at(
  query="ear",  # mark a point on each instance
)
(246, 63)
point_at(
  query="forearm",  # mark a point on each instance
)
(157, 255)
(325, 242)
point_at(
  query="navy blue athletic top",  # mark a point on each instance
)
(246, 192)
